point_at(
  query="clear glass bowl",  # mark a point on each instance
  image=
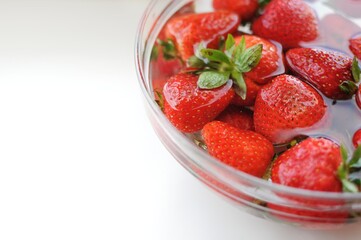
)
(251, 193)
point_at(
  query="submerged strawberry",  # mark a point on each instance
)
(241, 118)
(355, 47)
(333, 73)
(188, 107)
(271, 62)
(288, 22)
(244, 8)
(246, 151)
(313, 165)
(188, 31)
(286, 105)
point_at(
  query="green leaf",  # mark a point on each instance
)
(198, 50)
(230, 46)
(250, 58)
(355, 161)
(348, 186)
(214, 55)
(212, 79)
(342, 172)
(263, 3)
(195, 62)
(160, 99)
(355, 177)
(344, 154)
(155, 53)
(356, 71)
(169, 49)
(240, 49)
(242, 87)
(348, 87)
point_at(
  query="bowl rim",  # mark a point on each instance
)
(183, 140)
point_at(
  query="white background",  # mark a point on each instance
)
(78, 158)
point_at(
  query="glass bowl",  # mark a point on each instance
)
(252, 194)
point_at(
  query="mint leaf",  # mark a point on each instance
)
(212, 79)
(356, 71)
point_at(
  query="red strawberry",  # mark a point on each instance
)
(188, 31)
(246, 151)
(327, 71)
(241, 118)
(252, 90)
(188, 107)
(285, 105)
(356, 140)
(244, 8)
(288, 22)
(355, 47)
(358, 97)
(271, 62)
(313, 164)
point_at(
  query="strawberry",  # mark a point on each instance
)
(246, 151)
(288, 22)
(241, 118)
(356, 140)
(313, 165)
(333, 73)
(188, 107)
(358, 97)
(189, 30)
(355, 46)
(244, 8)
(252, 90)
(271, 63)
(285, 105)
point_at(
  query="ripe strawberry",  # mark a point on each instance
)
(356, 140)
(252, 90)
(271, 63)
(285, 105)
(288, 22)
(313, 165)
(241, 118)
(355, 47)
(246, 151)
(358, 97)
(244, 8)
(188, 107)
(330, 72)
(188, 31)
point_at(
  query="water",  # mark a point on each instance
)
(339, 21)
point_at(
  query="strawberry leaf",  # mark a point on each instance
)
(241, 47)
(355, 161)
(160, 99)
(348, 87)
(242, 87)
(250, 58)
(214, 55)
(169, 50)
(263, 3)
(356, 71)
(355, 177)
(349, 186)
(230, 46)
(196, 62)
(212, 79)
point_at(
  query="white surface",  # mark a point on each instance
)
(78, 158)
